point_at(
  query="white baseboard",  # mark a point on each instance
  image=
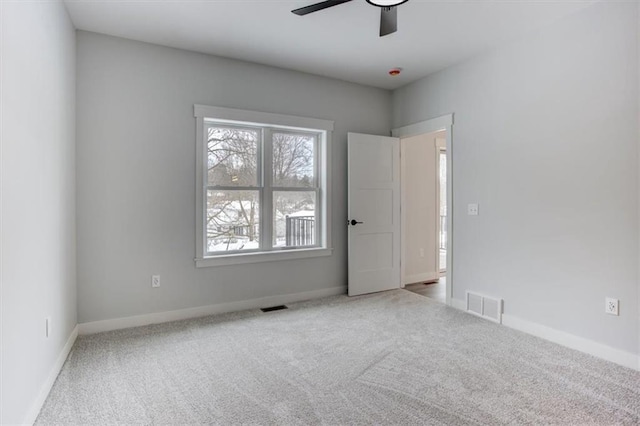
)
(201, 311)
(32, 415)
(599, 350)
(419, 278)
(459, 304)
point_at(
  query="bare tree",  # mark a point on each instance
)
(232, 155)
(232, 161)
(293, 157)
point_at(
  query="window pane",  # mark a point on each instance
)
(232, 156)
(294, 160)
(294, 218)
(232, 220)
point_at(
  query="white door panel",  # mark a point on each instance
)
(374, 200)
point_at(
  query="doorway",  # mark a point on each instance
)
(431, 141)
(376, 222)
(424, 208)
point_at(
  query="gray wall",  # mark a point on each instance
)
(136, 168)
(546, 141)
(38, 199)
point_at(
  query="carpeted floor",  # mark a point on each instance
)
(388, 358)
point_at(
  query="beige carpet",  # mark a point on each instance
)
(389, 358)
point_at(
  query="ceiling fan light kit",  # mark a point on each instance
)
(388, 12)
(386, 3)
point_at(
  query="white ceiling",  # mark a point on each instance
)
(340, 42)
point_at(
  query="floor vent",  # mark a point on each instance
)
(484, 306)
(274, 308)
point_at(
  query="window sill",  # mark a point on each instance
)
(273, 256)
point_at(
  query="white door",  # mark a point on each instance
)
(374, 213)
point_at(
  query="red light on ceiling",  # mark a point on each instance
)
(395, 71)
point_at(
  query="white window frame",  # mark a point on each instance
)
(238, 117)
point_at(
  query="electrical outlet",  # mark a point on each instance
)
(155, 281)
(472, 210)
(611, 306)
(47, 327)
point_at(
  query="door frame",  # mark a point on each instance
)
(444, 122)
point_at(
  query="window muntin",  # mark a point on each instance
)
(263, 188)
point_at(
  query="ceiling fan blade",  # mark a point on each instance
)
(318, 6)
(388, 21)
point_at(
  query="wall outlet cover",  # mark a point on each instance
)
(472, 210)
(611, 306)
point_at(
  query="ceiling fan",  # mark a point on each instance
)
(388, 12)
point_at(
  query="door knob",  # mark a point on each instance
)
(354, 222)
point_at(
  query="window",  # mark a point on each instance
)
(262, 186)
